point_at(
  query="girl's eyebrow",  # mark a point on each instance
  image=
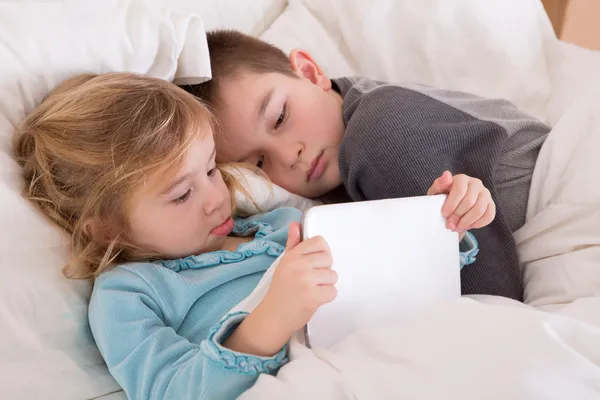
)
(186, 176)
(178, 181)
(213, 154)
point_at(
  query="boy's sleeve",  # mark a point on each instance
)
(468, 249)
(151, 361)
(396, 143)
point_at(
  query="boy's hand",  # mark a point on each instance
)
(469, 204)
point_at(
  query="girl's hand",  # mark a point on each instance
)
(302, 282)
(469, 204)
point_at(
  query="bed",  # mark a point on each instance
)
(478, 347)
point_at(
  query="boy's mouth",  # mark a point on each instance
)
(317, 168)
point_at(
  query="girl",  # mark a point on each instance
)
(126, 165)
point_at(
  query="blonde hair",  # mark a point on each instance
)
(92, 141)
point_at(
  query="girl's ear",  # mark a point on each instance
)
(306, 67)
(98, 230)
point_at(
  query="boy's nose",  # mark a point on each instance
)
(288, 152)
(297, 158)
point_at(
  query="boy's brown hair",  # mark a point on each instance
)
(231, 53)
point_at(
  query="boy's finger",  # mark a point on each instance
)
(486, 219)
(458, 191)
(441, 184)
(294, 236)
(472, 216)
(452, 222)
(469, 201)
(476, 216)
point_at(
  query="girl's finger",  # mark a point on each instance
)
(313, 245)
(325, 276)
(325, 294)
(319, 260)
(294, 236)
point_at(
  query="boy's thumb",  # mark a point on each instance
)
(294, 237)
(441, 184)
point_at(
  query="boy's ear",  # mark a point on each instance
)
(305, 67)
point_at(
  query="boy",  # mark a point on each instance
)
(358, 139)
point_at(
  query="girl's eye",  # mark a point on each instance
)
(212, 172)
(183, 198)
(260, 162)
(281, 117)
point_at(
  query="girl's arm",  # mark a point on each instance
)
(151, 361)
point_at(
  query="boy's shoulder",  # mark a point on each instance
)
(354, 88)
(417, 105)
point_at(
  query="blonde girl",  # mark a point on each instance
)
(126, 165)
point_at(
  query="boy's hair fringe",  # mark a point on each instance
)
(231, 53)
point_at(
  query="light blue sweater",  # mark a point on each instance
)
(159, 326)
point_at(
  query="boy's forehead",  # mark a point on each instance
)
(252, 81)
(246, 96)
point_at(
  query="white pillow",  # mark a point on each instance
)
(493, 48)
(296, 27)
(251, 17)
(264, 195)
(573, 70)
(46, 348)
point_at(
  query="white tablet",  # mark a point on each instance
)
(393, 257)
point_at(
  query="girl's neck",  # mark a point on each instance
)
(231, 243)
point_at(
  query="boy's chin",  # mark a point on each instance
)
(319, 191)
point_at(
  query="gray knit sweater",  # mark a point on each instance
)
(399, 139)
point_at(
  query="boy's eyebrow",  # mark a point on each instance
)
(264, 103)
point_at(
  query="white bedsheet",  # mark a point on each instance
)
(485, 346)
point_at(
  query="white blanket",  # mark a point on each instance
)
(487, 347)
(496, 48)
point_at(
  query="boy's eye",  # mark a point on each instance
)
(281, 117)
(183, 198)
(260, 161)
(212, 172)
